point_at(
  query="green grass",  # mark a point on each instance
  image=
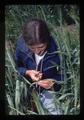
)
(68, 98)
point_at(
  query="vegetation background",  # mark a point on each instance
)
(64, 24)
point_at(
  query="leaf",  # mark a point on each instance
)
(38, 104)
(65, 95)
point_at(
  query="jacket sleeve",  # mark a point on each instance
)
(18, 60)
(53, 73)
(52, 68)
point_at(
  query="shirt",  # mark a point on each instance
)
(38, 58)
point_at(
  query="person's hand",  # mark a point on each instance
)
(35, 75)
(47, 84)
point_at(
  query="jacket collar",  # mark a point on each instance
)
(52, 46)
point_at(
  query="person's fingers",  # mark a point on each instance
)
(39, 75)
(34, 78)
(36, 72)
(44, 81)
(35, 75)
(47, 81)
(46, 86)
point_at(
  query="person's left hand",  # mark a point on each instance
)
(47, 84)
(34, 75)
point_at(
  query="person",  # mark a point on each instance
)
(35, 55)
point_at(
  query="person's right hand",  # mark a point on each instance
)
(34, 75)
(46, 83)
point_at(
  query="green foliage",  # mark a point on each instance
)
(67, 37)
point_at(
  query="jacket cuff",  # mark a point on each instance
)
(22, 71)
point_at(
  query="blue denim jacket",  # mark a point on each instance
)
(50, 65)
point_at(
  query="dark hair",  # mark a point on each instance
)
(36, 31)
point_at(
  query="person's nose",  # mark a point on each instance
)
(37, 51)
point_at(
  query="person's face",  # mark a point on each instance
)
(38, 49)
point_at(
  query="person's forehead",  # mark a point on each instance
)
(38, 45)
